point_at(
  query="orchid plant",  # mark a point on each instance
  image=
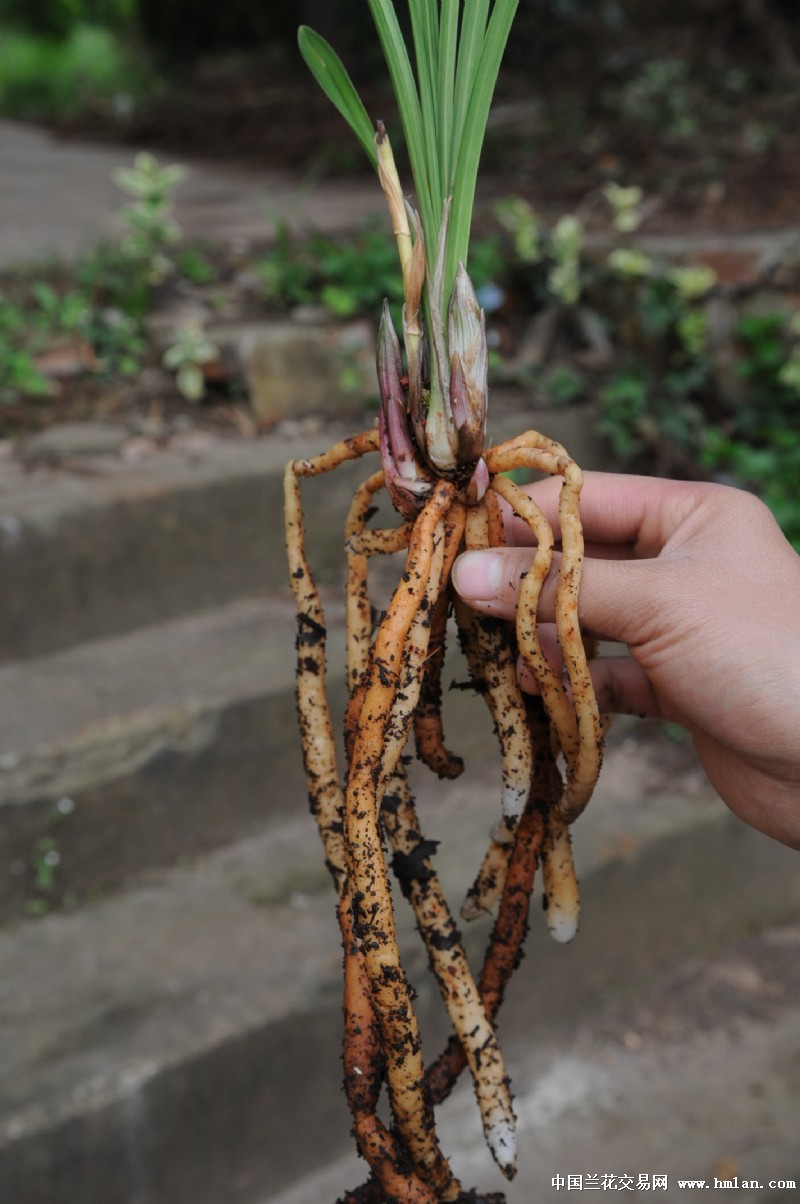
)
(431, 432)
(434, 425)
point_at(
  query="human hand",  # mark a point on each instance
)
(704, 589)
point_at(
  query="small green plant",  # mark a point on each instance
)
(110, 290)
(629, 263)
(626, 203)
(554, 256)
(45, 864)
(186, 357)
(18, 372)
(151, 229)
(195, 266)
(555, 251)
(19, 375)
(564, 279)
(59, 313)
(518, 217)
(563, 384)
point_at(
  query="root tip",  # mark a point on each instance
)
(471, 910)
(502, 1141)
(561, 927)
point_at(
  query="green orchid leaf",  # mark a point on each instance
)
(446, 73)
(329, 72)
(476, 117)
(425, 30)
(473, 30)
(405, 90)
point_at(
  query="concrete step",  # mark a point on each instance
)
(98, 544)
(230, 204)
(142, 749)
(695, 1078)
(180, 1042)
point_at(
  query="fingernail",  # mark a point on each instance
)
(478, 575)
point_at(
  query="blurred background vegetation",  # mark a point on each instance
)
(693, 102)
(128, 61)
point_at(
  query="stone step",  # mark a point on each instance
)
(229, 204)
(695, 1078)
(142, 749)
(98, 545)
(179, 1042)
(99, 538)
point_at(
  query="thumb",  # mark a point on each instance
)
(619, 600)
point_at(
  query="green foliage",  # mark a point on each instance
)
(660, 412)
(104, 313)
(563, 384)
(112, 289)
(758, 443)
(762, 338)
(43, 78)
(330, 74)
(349, 274)
(771, 470)
(659, 95)
(650, 369)
(186, 357)
(56, 19)
(626, 204)
(116, 282)
(652, 407)
(653, 420)
(551, 258)
(118, 341)
(195, 266)
(626, 262)
(564, 279)
(625, 414)
(18, 374)
(517, 216)
(59, 313)
(659, 406)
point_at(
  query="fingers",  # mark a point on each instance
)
(632, 516)
(620, 685)
(489, 581)
(619, 599)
